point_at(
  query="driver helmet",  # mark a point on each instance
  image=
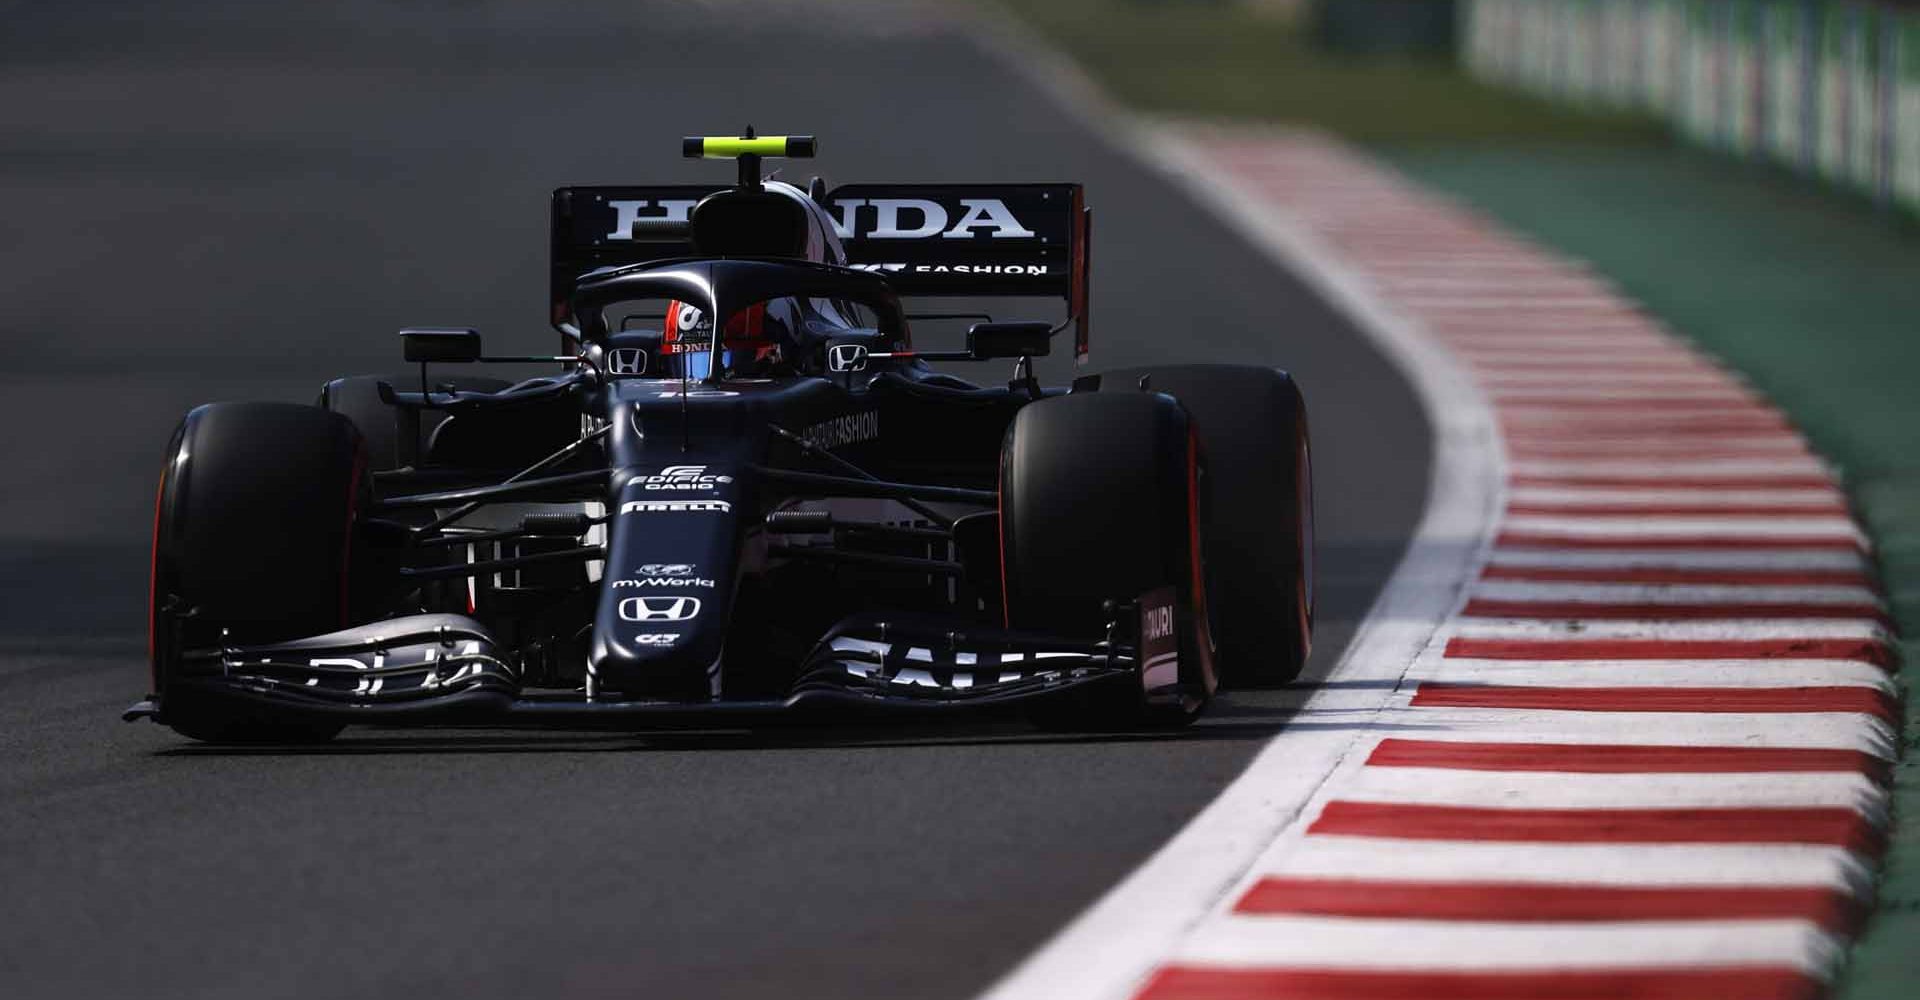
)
(750, 343)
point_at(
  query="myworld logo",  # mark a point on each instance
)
(665, 581)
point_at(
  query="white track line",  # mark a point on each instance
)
(1831, 730)
(1656, 864)
(1678, 593)
(1698, 630)
(1495, 789)
(1710, 559)
(1653, 497)
(1570, 391)
(1658, 673)
(1730, 469)
(1332, 942)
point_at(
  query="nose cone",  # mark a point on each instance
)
(667, 590)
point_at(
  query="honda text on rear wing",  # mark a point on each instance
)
(960, 240)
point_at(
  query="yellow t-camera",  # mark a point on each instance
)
(726, 147)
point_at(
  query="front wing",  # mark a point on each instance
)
(445, 669)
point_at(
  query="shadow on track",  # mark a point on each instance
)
(444, 741)
(1229, 722)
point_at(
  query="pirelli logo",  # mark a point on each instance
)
(676, 507)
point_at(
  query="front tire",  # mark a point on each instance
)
(1252, 425)
(253, 543)
(1100, 501)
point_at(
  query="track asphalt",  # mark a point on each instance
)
(214, 201)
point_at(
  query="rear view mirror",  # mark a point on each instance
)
(431, 343)
(1009, 340)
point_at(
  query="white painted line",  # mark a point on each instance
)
(1673, 630)
(1595, 864)
(1612, 344)
(1669, 358)
(1720, 559)
(1506, 789)
(1833, 730)
(1653, 497)
(1601, 380)
(1657, 673)
(1748, 420)
(1728, 468)
(1661, 444)
(1674, 593)
(1475, 304)
(1651, 526)
(1344, 943)
(1690, 432)
(1478, 284)
(1517, 265)
(1584, 392)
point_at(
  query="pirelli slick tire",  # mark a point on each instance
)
(253, 542)
(1100, 504)
(1252, 425)
(357, 397)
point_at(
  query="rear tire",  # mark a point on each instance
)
(1099, 498)
(253, 543)
(1252, 425)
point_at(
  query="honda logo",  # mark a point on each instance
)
(659, 609)
(626, 361)
(847, 358)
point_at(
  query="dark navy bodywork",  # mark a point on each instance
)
(698, 542)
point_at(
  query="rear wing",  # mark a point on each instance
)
(960, 240)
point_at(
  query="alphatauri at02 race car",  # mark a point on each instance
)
(744, 496)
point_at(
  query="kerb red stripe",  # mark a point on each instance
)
(1480, 648)
(1549, 540)
(1483, 607)
(1712, 700)
(1637, 405)
(1828, 907)
(1830, 826)
(1526, 450)
(1679, 482)
(1677, 574)
(1190, 982)
(1622, 758)
(1829, 509)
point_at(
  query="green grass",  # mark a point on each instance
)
(1223, 60)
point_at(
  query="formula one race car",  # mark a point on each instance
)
(744, 496)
